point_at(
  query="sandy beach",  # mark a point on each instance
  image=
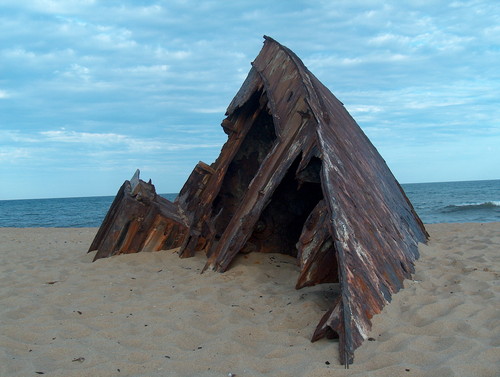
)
(153, 314)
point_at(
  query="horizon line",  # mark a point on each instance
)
(176, 193)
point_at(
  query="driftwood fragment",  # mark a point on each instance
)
(296, 176)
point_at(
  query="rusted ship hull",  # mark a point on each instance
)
(296, 176)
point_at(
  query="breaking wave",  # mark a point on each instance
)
(472, 207)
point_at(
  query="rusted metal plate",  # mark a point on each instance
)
(296, 176)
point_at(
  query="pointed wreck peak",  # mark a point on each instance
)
(296, 176)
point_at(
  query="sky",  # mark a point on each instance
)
(92, 90)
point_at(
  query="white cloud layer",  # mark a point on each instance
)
(93, 86)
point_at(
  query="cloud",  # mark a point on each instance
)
(64, 136)
(4, 94)
(9, 155)
(56, 6)
(144, 70)
(214, 110)
(130, 143)
(431, 38)
(77, 71)
(114, 39)
(19, 53)
(166, 55)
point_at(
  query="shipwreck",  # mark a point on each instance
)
(296, 176)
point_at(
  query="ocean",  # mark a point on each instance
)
(446, 202)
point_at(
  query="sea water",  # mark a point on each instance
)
(459, 202)
(456, 202)
(63, 212)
